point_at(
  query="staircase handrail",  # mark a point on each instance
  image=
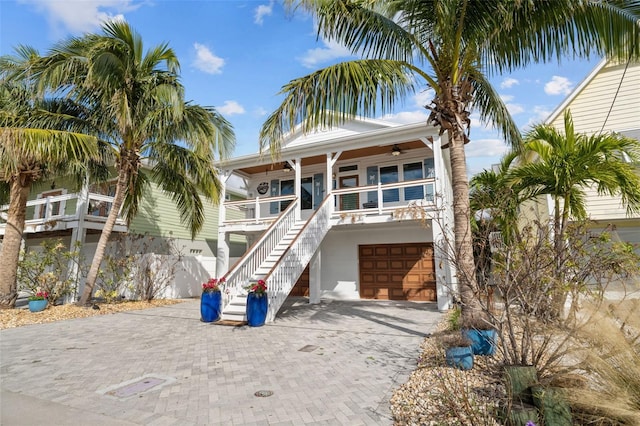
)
(242, 271)
(283, 276)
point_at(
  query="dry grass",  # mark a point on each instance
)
(10, 318)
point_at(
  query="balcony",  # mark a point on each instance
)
(61, 212)
(363, 204)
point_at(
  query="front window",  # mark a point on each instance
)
(413, 171)
(306, 193)
(286, 188)
(389, 174)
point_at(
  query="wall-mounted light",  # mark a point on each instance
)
(395, 151)
(287, 167)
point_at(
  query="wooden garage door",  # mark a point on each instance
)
(397, 272)
(301, 288)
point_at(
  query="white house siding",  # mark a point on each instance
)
(339, 254)
(590, 107)
(592, 112)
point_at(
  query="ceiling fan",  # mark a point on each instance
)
(395, 151)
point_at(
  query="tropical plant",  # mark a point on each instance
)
(50, 268)
(449, 46)
(36, 141)
(142, 114)
(565, 164)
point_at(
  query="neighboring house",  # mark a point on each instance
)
(324, 220)
(607, 100)
(56, 210)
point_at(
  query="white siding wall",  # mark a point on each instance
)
(339, 251)
(591, 106)
(591, 110)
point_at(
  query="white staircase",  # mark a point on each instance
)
(235, 310)
(279, 257)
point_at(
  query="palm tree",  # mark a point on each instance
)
(141, 112)
(30, 152)
(449, 46)
(565, 164)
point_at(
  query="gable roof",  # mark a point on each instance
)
(565, 103)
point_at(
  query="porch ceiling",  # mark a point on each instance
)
(346, 155)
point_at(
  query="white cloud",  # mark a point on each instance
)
(540, 113)
(230, 108)
(558, 86)
(262, 11)
(508, 82)
(261, 112)
(206, 61)
(332, 50)
(424, 97)
(485, 148)
(514, 109)
(81, 17)
(407, 117)
(479, 126)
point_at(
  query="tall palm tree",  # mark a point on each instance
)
(29, 152)
(450, 46)
(141, 112)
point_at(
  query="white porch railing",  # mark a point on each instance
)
(51, 212)
(283, 276)
(379, 205)
(244, 269)
(250, 211)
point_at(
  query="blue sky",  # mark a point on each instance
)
(236, 55)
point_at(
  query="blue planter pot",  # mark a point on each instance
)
(459, 357)
(483, 342)
(38, 305)
(257, 307)
(210, 304)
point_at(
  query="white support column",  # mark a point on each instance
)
(78, 234)
(443, 236)
(315, 277)
(222, 253)
(331, 161)
(297, 183)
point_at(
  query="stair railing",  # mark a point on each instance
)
(242, 272)
(283, 276)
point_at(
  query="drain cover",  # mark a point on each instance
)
(263, 393)
(137, 386)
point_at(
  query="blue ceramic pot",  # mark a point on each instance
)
(257, 307)
(38, 305)
(483, 342)
(459, 357)
(210, 303)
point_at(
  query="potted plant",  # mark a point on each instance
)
(211, 300)
(482, 335)
(458, 352)
(38, 302)
(257, 303)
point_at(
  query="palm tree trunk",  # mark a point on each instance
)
(462, 227)
(10, 253)
(104, 238)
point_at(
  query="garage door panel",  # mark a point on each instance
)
(397, 272)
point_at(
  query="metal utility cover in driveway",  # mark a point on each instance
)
(137, 386)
